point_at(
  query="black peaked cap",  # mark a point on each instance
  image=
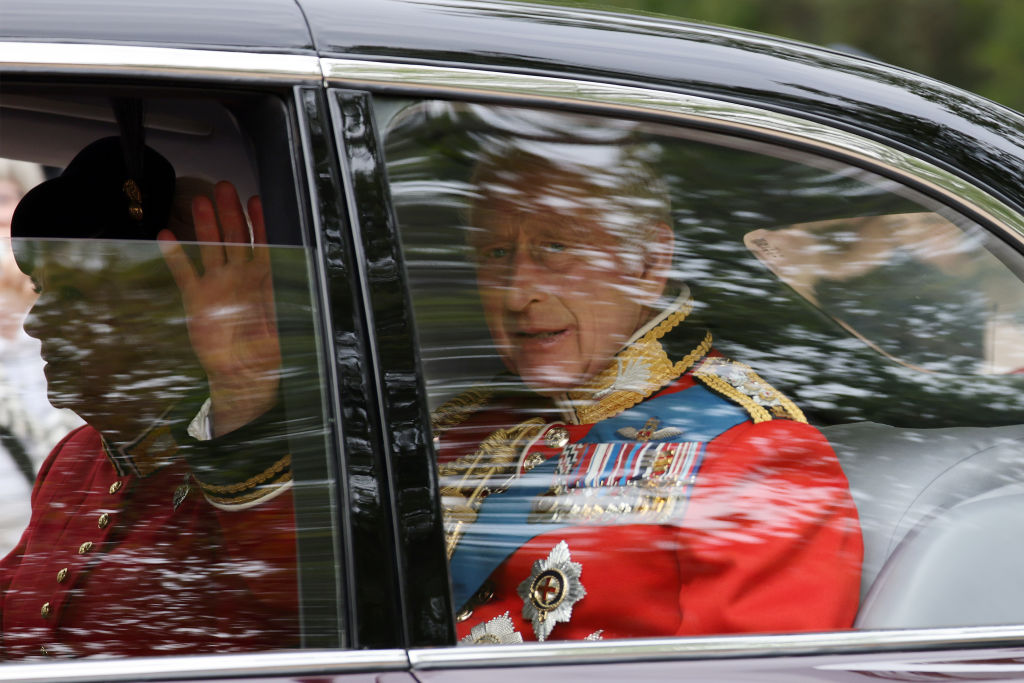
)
(96, 197)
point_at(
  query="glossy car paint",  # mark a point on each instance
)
(424, 592)
(957, 130)
(266, 26)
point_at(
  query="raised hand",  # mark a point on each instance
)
(229, 304)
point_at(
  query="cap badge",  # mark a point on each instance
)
(131, 190)
(551, 591)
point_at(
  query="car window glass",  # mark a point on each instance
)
(164, 391)
(687, 383)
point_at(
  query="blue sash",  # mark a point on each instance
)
(502, 525)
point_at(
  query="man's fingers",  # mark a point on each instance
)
(229, 210)
(211, 251)
(233, 225)
(177, 261)
(261, 253)
(259, 228)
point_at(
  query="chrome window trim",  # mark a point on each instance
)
(422, 81)
(294, 663)
(714, 647)
(128, 60)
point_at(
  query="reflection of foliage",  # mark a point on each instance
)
(718, 194)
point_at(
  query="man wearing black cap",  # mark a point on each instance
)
(165, 524)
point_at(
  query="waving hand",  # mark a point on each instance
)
(229, 304)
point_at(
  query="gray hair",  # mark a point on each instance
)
(612, 183)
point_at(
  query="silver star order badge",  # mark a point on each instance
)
(498, 631)
(551, 591)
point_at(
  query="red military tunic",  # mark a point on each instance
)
(147, 554)
(668, 497)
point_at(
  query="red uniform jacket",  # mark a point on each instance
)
(142, 555)
(678, 497)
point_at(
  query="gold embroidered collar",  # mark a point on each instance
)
(636, 372)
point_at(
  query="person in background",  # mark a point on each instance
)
(29, 426)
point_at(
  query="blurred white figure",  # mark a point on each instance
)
(29, 426)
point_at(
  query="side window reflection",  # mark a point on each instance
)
(961, 304)
(167, 523)
(672, 372)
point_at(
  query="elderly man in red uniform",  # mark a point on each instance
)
(165, 525)
(627, 480)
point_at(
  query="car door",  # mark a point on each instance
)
(863, 291)
(260, 122)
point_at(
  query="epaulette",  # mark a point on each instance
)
(459, 409)
(740, 384)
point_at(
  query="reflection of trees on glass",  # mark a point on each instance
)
(95, 317)
(190, 569)
(913, 360)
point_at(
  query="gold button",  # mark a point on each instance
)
(85, 547)
(463, 615)
(43, 651)
(62, 575)
(45, 610)
(557, 437)
(103, 521)
(115, 487)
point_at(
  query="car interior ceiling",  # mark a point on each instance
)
(198, 136)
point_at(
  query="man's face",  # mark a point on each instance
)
(560, 294)
(105, 326)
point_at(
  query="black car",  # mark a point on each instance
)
(852, 231)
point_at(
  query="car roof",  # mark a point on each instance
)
(959, 131)
(249, 25)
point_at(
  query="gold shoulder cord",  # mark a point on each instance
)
(458, 409)
(791, 409)
(488, 470)
(251, 482)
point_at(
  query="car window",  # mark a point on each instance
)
(170, 474)
(684, 383)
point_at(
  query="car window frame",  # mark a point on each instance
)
(570, 93)
(289, 79)
(327, 209)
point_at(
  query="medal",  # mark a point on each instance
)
(498, 631)
(551, 591)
